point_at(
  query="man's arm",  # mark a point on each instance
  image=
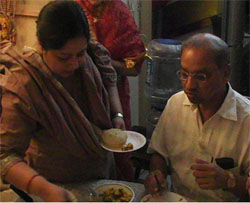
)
(157, 162)
(240, 188)
(210, 176)
(156, 180)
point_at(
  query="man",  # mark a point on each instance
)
(202, 129)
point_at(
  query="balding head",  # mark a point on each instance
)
(212, 44)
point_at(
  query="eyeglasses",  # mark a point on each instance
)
(197, 76)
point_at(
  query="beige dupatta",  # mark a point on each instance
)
(52, 106)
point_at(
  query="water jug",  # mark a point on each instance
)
(162, 64)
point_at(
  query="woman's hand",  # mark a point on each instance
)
(118, 122)
(55, 193)
(155, 183)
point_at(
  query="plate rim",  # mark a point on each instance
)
(166, 200)
(119, 184)
(125, 151)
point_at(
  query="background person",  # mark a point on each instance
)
(212, 125)
(112, 24)
(53, 103)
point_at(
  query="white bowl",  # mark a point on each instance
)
(116, 186)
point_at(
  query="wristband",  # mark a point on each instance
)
(30, 181)
(119, 115)
(231, 182)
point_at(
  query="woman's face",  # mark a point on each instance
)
(65, 61)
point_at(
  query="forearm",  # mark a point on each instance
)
(20, 175)
(114, 99)
(122, 70)
(158, 163)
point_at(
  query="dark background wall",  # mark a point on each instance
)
(229, 20)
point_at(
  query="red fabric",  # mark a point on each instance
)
(117, 31)
(112, 24)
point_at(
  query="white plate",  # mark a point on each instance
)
(138, 140)
(165, 197)
(116, 186)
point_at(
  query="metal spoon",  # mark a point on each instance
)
(93, 195)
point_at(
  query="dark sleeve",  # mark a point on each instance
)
(102, 59)
(15, 131)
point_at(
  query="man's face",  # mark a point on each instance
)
(199, 61)
(65, 61)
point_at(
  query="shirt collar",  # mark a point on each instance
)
(186, 102)
(227, 109)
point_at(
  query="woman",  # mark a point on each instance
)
(52, 102)
(112, 24)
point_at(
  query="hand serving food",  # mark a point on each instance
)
(117, 140)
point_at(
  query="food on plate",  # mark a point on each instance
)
(114, 138)
(166, 196)
(115, 195)
(127, 147)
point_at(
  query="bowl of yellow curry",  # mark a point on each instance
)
(115, 192)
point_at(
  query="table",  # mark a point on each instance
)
(82, 194)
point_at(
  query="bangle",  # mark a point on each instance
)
(30, 181)
(119, 115)
(155, 172)
(129, 63)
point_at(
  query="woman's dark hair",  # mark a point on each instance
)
(60, 21)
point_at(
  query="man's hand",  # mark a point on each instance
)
(155, 183)
(209, 175)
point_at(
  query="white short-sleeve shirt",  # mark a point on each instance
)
(180, 136)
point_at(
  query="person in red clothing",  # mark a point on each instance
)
(112, 24)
